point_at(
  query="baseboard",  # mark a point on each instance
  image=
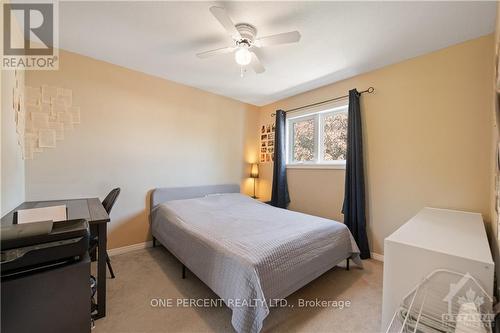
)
(129, 248)
(378, 257)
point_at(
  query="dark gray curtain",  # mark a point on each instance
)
(354, 198)
(280, 197)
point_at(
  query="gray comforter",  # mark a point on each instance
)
(250, 253)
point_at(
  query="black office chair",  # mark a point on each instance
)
(108, 203)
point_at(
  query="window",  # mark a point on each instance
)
(317, 138)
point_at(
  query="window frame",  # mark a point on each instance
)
(318, 162)
(291, 132)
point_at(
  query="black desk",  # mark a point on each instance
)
(93, 211)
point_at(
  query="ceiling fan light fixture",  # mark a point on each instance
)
(242, 56)
(244, 40)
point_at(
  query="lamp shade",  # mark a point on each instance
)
(242, 56)
(254, 172)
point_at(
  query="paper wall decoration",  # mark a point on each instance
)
(267, 143)
(42, 116)
(47, 138)
(48, 93)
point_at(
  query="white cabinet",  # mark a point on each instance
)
(432, 239)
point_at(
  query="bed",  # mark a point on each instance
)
(249, 253)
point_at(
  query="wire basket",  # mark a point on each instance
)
(445, 302)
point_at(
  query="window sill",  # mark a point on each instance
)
(316, 166)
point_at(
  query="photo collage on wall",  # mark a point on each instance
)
(267, 143)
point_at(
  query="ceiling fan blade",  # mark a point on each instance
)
(256, 64)
(211, 53)
(284, 38)
(224, 19)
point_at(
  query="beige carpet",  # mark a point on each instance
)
(155, 274)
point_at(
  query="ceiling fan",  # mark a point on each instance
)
(244, 38)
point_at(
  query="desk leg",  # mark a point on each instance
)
(93, 232)
(101, 270)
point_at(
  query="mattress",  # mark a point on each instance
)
(250, 253)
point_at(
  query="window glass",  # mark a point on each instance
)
(303, 140)
(335, 136)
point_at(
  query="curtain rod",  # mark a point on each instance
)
(369, 90)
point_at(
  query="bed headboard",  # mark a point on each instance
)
(162, 194)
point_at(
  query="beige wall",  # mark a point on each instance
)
(427, 137)
(12, 165)
(139, 132)
(495, 190)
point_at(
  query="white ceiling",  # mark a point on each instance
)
(339, 39)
